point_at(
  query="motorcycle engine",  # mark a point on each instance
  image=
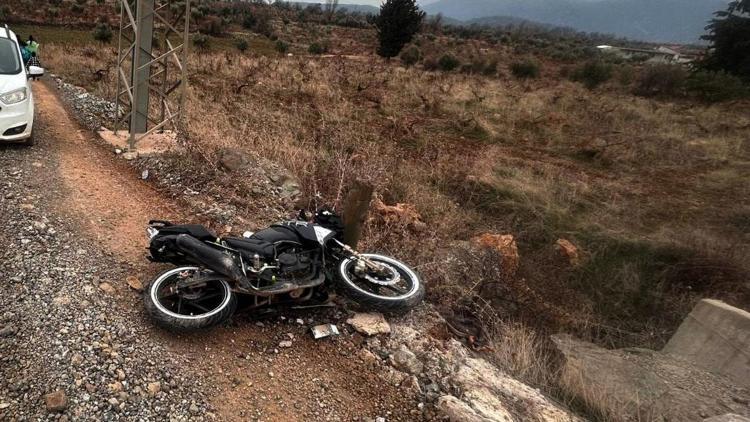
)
(293, 265)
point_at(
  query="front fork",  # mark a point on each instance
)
(363, 262)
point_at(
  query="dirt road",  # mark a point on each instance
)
(74, 217)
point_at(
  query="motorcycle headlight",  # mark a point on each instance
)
(15, 96)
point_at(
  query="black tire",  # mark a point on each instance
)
(164, 318)
(374, 302)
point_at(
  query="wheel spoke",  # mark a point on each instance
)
(395, 289)
(197, 306)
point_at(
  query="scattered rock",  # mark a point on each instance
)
(130, 155)
(76, 359)
(404, 360)
(402, 214)
(505, 245)
(231, 159)
(107, 288)
(7, 331)
(56, 401)
(369, 323)
(134, 283)
(285, 344)
(569, 251)
(153, 388)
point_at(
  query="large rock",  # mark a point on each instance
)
(640, 384)
(369, 323)
(569, 251)
(232, 160)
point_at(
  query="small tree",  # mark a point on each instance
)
(396, 24)
(242, 44)
(527, 69)
(729, 35)
(102, 33)
(411, 56)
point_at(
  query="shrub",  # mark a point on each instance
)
(664, 80)
(592, 73)
(99, 1)
(81, 2)
(448, 62)
(715, 87)
(317, 48)
(281, 46)
(201, 41)
(242, 44)
(102, 33)
(249, 21)
(76, 8)
(411, 56)
(4, 12)
(527, 69)
(625, 74)
(53, 11)
(55, 2)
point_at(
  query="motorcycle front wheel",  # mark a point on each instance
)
(396, 290)
(188, 309)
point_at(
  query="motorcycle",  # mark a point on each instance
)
(289, 262)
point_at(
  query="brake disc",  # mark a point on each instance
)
(394, 277)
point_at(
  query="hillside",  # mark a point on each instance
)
(658, 21)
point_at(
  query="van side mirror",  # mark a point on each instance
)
(36, 71)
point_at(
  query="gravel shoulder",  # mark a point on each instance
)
(75, 344)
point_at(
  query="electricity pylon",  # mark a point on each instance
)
(151, 66)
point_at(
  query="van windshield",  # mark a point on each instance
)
(10, 63)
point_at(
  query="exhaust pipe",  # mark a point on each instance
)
(211, 258)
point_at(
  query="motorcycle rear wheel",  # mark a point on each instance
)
(381, 294)
(192, 309)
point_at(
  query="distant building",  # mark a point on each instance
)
(657, 55)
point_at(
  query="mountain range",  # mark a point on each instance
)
(681, 21)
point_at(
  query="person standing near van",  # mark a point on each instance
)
(32, 46)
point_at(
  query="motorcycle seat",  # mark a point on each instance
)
(250, 246)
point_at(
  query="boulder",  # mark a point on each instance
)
(505, 245)
(369, 323)
(640, 384)
(56, 401)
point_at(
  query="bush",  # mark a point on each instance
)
(76, 8)
(4, 12)
(99, 1)
(82, 2)
(625, 74)
(102, 33)
(411, 56)
(592, 73)
(490, 68)
(249, 21)
(448, 62)
(527, 69)
(201, 41)
(715, 87)
(317, 48)
(281, 46)
(53, 11)
(242, 44)
(662, 80)
(55, 2)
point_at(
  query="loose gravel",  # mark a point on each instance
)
(68, 340)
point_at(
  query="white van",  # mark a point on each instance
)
(16, 98)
